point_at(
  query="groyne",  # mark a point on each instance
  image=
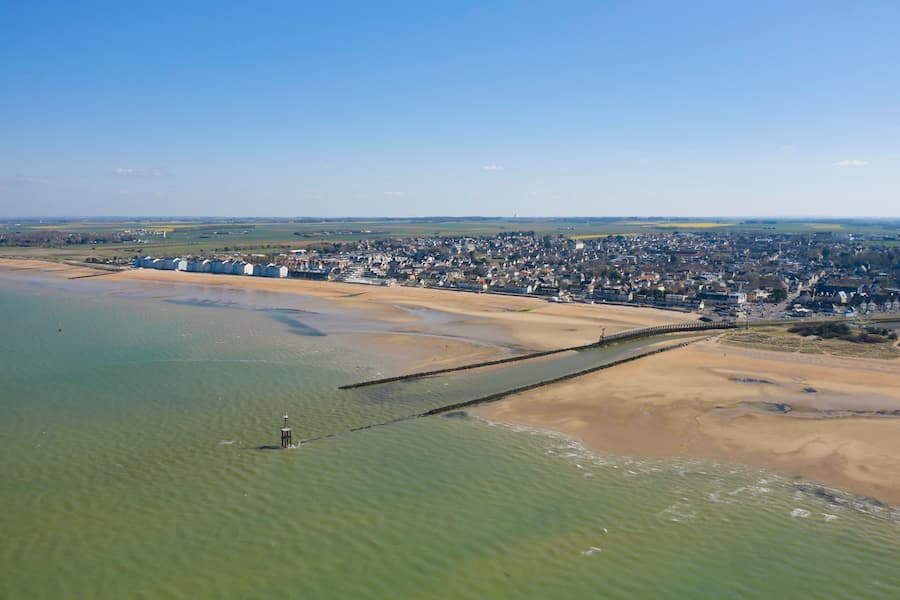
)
(498, 395)
(621, 336)
(531, 386)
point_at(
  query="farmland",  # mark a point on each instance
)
(186, 236)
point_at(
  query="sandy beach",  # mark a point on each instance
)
(820, 417)
(824, 418)
(532, 323)
(473, 327)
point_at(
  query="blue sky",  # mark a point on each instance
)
(414, 109)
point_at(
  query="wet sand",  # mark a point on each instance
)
(424, 328)
(820, 417)
(829, 419)
(534, 324)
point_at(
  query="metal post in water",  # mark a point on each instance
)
(286, 434)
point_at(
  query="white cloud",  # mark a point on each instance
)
(850, 163)
(787, 147)
(492, 168)
(394, 194)
(33, 180)
(123, 171)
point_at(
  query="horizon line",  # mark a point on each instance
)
(448, 217)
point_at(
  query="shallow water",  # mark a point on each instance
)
(131, 468)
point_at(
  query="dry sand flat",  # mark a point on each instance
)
(715, 401)
(46, 267)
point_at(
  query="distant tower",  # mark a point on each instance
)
(286, 434)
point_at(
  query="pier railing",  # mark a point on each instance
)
(631, 334)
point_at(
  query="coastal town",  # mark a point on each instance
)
(452, 300)
(730, 274)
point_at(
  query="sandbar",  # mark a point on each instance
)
(823, 418)
(829, 419)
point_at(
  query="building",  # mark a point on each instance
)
(273, 270)
(729, 298)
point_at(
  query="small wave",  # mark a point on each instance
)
(799, 512)
(678, 513)
(591, 550)
(716, 498)
(754, 490)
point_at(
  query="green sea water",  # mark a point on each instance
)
(131, 422)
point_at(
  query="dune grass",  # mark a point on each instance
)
(778, 338)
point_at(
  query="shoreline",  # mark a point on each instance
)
(398, 339)
(708, 400)
(521, 323)
(810, 416)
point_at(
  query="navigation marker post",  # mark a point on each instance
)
(286, 434)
